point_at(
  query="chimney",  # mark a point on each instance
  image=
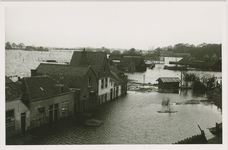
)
(83, 57)
(33, 72)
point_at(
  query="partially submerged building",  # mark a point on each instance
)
(203, 63)
(99, 63)
(118, 83)
(81, 79)
(46, 99)
(17, 114)
(168, 83)
(170, 60)
(132, 64)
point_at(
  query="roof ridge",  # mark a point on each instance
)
(29, 96)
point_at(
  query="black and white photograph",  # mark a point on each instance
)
(113, 73)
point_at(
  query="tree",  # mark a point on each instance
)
(132, 51)
(8, 45)
(14, 46)
(21, 46)
(116, 52)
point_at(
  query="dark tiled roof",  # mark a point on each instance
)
(115, 57)
(128, 60)
(7, 80)
(72, 75)
(94, 59)
(40, 87)
(168, 79)
(12, 91)
(175, 54)
(198, 62)
(118, 75)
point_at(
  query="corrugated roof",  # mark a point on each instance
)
(168, 79)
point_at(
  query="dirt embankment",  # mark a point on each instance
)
(133, 85)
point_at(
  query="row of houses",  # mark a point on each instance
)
(181, 61)
(204, 63)
(55, 91)
(128, 63)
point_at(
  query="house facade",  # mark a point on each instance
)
(80, 79)
(46, 99)
(118, 83)
(99, 63)
(17, 114)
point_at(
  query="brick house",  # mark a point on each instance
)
(17, 114)
(99, 63)
(46, 99)
(81, 79)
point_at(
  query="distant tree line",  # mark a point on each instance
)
(198, 51)
(21, 46)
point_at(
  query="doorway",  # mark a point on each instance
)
(23, 122)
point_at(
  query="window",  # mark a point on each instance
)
(89, 82)
(10, 122)
(102, 83)
(10, 114)
(65, 108)
(106, 82)
(41, 110)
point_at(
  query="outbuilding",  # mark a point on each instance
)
(168, 82)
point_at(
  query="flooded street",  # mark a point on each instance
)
(132, 119)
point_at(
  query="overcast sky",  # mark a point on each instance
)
(114, 25)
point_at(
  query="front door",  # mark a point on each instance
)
(75, 108)
(23, 122)
(111, 94)
(56, 112)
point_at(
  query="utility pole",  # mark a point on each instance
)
(143, 79)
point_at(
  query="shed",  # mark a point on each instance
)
(168, 82)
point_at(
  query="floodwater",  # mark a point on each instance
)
(132, 119)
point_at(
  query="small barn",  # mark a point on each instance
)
(168, 82)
